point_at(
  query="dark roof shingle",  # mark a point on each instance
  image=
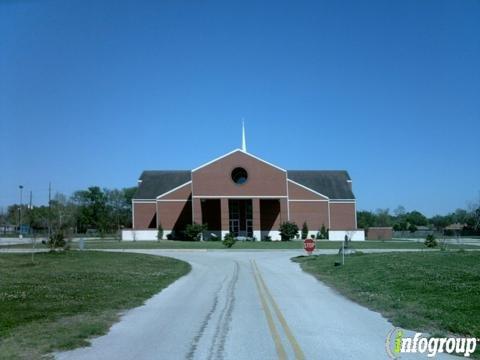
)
(156, 182)
(331, 183)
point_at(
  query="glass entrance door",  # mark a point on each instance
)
(249, 227)
(240, 218)
(234, 227)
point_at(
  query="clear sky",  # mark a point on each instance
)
(94, 92)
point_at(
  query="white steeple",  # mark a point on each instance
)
(244, 141)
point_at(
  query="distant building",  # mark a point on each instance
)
(379, 233)
(424, 231)
(8, 229)
(454, 229)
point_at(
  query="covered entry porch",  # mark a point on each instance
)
(246, 218)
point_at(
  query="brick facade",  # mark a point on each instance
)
(266, 199)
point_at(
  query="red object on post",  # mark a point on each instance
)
(309, 245)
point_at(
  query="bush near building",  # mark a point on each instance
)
(304, 231)
(229, 240)
(159, 232)
(288, 230)
(323, 233)
(194, 231)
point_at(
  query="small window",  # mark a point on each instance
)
(239, 176)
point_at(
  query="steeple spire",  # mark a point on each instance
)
(244, 141)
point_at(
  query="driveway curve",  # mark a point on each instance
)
(243, 305)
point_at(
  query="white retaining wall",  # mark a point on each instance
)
(140, 235)
(151, 235)
(274, 234)
(339, 235)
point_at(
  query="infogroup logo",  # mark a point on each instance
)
(397, 343)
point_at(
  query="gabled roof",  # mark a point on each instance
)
(335, 184)
(332, 183)
(155, 182)
(233, 152)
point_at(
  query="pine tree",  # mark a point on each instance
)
(304, 231)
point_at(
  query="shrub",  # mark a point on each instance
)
(323, 233)
(288, 230)
(267, 238)
(214, 237)
(229, 240)
(401, 226)
(347, 240)
(56, 240)
(448, 232)
(194, 231)
(304, 230)
(430, 241)
(160, 232)
(412, 228)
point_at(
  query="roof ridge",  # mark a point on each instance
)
(310, 170)
(167, 170)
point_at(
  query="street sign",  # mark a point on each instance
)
(309, 245)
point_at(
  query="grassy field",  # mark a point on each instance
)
(62, 299)
(435, 292)
(241, 245)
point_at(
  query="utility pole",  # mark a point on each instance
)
(32, 233)
(49, 210)
(30, 208)
(20, 218)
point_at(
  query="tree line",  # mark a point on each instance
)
(93, 210)
(401, 220)
(106, 211)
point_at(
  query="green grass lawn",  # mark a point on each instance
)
(62, 299)
(240, 245)
(436, 292)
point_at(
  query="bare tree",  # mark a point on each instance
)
(474, 210)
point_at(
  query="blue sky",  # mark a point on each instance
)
(94, 92)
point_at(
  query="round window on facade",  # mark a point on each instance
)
(239, 175)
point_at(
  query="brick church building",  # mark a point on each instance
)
(245, 195)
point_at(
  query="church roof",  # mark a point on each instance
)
(332, 183)
(156, 182)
